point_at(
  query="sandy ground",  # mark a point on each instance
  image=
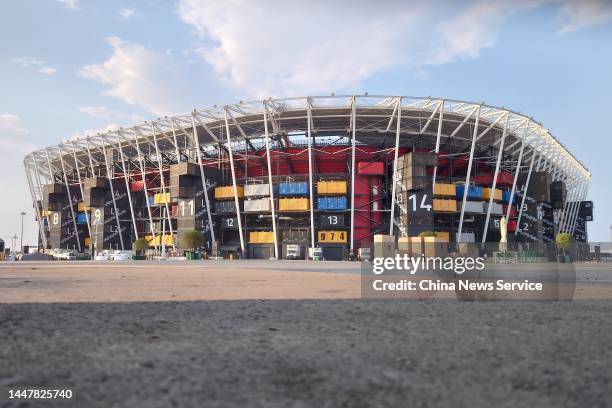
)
(46, 282)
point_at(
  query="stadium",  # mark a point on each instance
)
(288, 178)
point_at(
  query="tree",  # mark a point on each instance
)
(139, 246)
(192, 239)
(564, 241)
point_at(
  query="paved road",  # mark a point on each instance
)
(324, 353)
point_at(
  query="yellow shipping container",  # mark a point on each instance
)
(162, 198)
(332, 236)
(486, 194)
(444, 205)
(443, 189)
(226, 192)
(261, 237)
(443, 235)
(332, 187)
(87, 241)
(168, 240)
(81, 206)
(293, 204)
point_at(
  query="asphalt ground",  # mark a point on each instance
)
(324, 353)
(320, 352)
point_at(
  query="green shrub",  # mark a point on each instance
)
(564, 241)
(192, 239)
(140, 245)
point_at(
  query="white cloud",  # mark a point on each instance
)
(127, 13)
(69, 4)
(140, 76)
(28, 62)
(91, 132)
(278, 49)
(47, 70)
(11, 123)
(586, 13)
(95, 111)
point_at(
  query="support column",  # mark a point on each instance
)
(272, 206)
(112, 189)
(163, 184)
(146, 190)
(440, 119)
(499, 157)
(309, 137)
(526, 187)
(467, 177)
(518, 170)
(196, 140)
(354, 130)
(39, 186)
(395, 157)
(78, 171)
(35, 201)
(127, 185)
(231, 158)
(76, 230)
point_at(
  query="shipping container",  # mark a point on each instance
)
(331, 187)
(444, 205)
(443, 236)
(486, 194)
(513, 211)
(81, 218)
(255, 190)
(223, 207)
(371, 168)
(472, 207)
(293, 189)
(293, 204)
(444, 190)
(162, 198)
(496, 208)
(474, 192)
(258, 205)
(332, 203)
(261, 237)
(227, 192)
(506, 196)
(168, 240)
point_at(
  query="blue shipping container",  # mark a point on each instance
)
(332, 203)
(474, 192)
(151, 200)
(506, 197)
(81, 218)
(293, 189)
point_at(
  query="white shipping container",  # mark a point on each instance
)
(259, 205)
(251, 190)
(465, 237)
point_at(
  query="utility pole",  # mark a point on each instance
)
(21, 239)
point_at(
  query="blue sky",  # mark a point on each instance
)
(76, 66)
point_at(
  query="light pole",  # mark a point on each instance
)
(21, 239)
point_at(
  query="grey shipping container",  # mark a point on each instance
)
(474, 207)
